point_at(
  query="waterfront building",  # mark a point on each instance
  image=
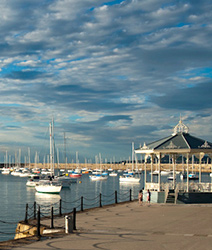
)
(180, 143)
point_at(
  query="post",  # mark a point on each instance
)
(81, 203)
(74, 219)
(187, 163)
(145, 172)
(60, 208)
(52, 217)
(26, 213)
(35, 210)
(152, 168)
(100, 200)
(130, 194)
(116, 197)
(38, 223)
(159, 174)
(68, 224)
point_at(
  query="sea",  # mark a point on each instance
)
(15, 195)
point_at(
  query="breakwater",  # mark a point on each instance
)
(205, 167)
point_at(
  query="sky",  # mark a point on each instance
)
(109, 72)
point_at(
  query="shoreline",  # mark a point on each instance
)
(207, 168)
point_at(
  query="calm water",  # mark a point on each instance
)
(15, 195)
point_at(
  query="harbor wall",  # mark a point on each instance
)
(194, 197)
(183, 197)
(123, 166)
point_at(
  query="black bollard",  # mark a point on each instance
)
(130, 194)
(100, 200)
(52, 217)
(35, 210)
(26, 213)
(60, 208)
(81, 203)
(74, 219)
(38, 223)
(116, 197)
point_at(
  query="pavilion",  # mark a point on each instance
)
(180, 143)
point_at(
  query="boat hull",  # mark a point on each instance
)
(129, 180)
(48, 189)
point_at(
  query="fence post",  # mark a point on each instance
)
(26, 213)
(130, 194)
(74, 219)
(38, 223)
(116, 197)
(100, 200)
(81, 203)
(52, 217)
(60, 208)
(35, 210)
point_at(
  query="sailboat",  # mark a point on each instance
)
(98, 175)
(50, 186)
(64, 178)
(129, 177)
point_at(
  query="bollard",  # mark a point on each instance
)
(68, 224)
(130, 194)
(100, 200)
(52, 217)
(26, 213)
(60, 208)
(35, 210)
(81, 203)
(38, 223)
(74, 219)
(116, 197)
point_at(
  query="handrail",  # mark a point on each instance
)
(176, 193)
(166, 192)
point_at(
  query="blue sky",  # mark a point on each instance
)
(109, 72)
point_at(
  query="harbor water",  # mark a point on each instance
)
(15, 195)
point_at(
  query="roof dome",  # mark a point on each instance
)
(180, 128)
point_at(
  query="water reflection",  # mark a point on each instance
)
(47, 199)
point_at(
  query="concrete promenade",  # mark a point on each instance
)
(129, 226)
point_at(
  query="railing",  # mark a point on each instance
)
(166, 193)
(38, 211)
(176, 193)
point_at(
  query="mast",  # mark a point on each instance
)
(132, 156)
(29, 156)
(51, 147)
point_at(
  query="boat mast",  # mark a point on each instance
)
(65, 159)
(51, 129)
(132, 156)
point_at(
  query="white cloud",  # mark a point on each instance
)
(98, 61)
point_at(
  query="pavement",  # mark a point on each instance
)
(130, 226)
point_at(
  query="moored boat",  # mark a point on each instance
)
(48, 187)
(129, 179)
(98, 177)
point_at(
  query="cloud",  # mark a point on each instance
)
(196, 98)
(124, 69)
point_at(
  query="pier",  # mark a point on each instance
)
(129, 225)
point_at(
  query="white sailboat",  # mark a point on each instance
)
(50, 186)
(6, 171)
(98, 176)
(129, 177)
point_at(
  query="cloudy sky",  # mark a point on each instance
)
(109, 72)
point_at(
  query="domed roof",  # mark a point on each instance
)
(179, 142)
